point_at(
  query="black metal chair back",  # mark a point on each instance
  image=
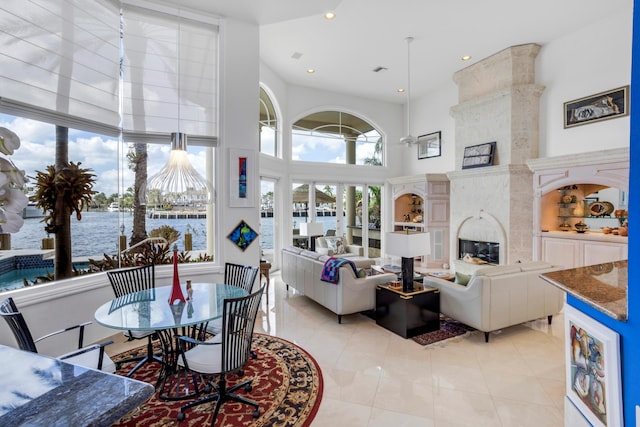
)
(17, 324)
(128, 280)
(241, 275)
(238, 320)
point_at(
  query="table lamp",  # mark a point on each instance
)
(312, 230)
(407, 245)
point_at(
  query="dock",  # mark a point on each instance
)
(177, 214)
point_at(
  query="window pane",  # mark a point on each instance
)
(98, 230)
(336, 137)
(268, 125)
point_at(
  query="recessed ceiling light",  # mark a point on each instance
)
(466, 57)
(401, 90)
(329, 16)
(311, 71)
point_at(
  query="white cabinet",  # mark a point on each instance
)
(561, 252)
(421, 203)
(580, 252)
(601, 252)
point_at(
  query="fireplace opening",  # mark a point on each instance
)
(486, 251)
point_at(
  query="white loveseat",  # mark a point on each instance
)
(335, 246)
(500, 296)
(302, 269)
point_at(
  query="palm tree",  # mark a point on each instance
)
(138, 163)
(62, 218)
(63, 189)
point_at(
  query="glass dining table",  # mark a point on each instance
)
(150, 310)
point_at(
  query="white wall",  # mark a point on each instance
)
(239, 110)
(589, 61)
(592, 60)
(431, 114)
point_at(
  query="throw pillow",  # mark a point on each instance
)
(335, 244)
(462, 279)
(362, 272)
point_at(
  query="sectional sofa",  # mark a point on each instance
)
(302, 269)
(499, 296)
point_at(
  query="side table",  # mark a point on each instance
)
(408, 314)
(265, 266)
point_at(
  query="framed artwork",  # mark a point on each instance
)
(242, 235)
(242, 185)
(480, 155)
(429, 145)
(593, 369)
(598, 107)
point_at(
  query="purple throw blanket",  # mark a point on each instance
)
(332, 267)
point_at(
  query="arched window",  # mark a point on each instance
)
(268, 125)
(336, 137)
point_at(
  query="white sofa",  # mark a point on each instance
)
(323, 247)
(500, 296)
(301, 269)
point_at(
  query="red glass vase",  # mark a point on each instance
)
(176, 290)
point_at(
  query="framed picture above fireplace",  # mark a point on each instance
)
(476, 156)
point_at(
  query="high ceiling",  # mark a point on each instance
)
(367, 34)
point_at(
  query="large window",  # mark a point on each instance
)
(110, 213)
(268, 125)
(336, 137)
(121, 80)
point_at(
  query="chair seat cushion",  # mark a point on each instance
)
(215, 326)
(89, 359)
(206, 359)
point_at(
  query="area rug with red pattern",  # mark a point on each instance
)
(287, 383)
(449, 329)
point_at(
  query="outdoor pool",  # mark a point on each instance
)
(15, 279)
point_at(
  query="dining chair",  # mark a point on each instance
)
(223, 356)
(243, 276)
(240, 275)
(92, 356)
(126, 281)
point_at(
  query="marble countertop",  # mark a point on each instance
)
(588, 235)
(41, 390)
(602, 286)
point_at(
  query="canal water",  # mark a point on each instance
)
(96, 234)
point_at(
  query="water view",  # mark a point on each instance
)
(97, 232)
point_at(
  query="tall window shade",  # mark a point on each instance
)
(59, 62)
(169, 73)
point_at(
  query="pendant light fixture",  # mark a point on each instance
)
(409, 139)
(178, 183)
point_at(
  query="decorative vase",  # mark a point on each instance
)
(176, 290)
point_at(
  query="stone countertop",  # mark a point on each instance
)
(40, 390)
(588, 235)
(602, 286)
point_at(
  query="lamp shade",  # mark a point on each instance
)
(407, 244)
(311, 229)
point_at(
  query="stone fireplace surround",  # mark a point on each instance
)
(498, 101)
